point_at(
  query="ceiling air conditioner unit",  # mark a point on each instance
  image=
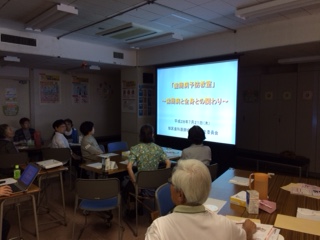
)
(155, 41)
(128, 32)
(272, 7)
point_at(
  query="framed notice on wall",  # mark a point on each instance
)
(128, 96)
(49, 88)
(146, 99)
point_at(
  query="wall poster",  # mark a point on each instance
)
(49, 88)
(10, 108)
(80, 87)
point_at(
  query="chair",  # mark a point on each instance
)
(8, 162)
(61, 154)
(213, 169)
(97, 195)
(148, 180)
(117, 146)
(163, 199)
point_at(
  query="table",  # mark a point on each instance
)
(49, 173)
(118, 158)
(12, 200)
(287, 203)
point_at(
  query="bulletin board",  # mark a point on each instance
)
(14, 100)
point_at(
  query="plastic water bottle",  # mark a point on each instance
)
(16, 172)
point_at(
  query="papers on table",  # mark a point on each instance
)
(7, 181)
(308, 214)
(303, 189)
(125, 162)
(107, 155)
(242, 181)
(97, 165)
(264, 231)
(214, 204)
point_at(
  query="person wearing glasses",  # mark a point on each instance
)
(197, 150)
(190, 188)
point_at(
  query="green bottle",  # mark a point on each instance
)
(16, 172)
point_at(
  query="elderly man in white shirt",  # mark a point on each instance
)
(190, 187)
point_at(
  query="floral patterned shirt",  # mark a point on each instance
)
(147, 156)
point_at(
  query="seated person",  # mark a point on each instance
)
(190, 219)
(146, 154)
(6, 137)
(71, 133)
(5, 191)
(197, 150)
(58, 139)
(89, 146)
(25, 133)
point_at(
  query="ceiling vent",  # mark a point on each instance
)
(18, 40)
(128, 32)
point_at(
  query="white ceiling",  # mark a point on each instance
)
(188, 18)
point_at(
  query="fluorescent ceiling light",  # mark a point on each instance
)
(94, 67)
(156, 41)
(305, 59)
(11, 59)
(272, 7)
(51, 17)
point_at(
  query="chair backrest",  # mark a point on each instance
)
(153, 179)
(60, 154)
(213, 169)
(11, 159)
(8, 162)
(163, 198)
(117, 146)
(97, 189)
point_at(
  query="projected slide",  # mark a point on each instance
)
(200, 94)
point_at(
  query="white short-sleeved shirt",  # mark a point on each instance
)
(194, 222)
(199, 152)
(59, 141)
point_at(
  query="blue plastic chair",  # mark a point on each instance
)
(117, 146)
(163, 199)
(97, 195)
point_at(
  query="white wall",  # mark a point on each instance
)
(103, 109)
(282, 33)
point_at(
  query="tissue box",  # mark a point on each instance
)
(239, 199)
(252, 201)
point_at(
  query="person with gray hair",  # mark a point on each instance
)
(190, 188)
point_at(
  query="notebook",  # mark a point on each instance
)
(51, 163)
(26, 179)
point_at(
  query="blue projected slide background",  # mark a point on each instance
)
(201, 94)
